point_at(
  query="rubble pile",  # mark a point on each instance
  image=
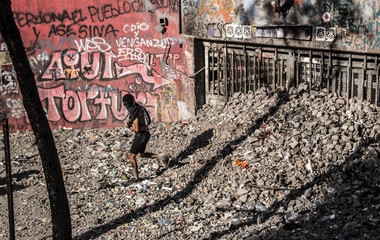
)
(265, 165)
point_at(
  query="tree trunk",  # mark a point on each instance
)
(60, 211)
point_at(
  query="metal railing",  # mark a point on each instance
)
(234, 68)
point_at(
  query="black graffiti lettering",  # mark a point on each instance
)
(115, 11)
(22, 127)
(12, 128)
(97, 31)
(107, 10)
(71, 57)
(172, 5)
(216, 29)
(58, 17)
(88, 70)
(128, 7)
(29, 19)
(110, 29)
(77, 16)
(120, 10)
(48, 18)
(64, 16)
(138, 6)
(83, 30)
(69, 31)
(61, 30)
(57, 30)
(93, 12)
(37, 34)
(220, 27)
(38, 19)
(19, 19)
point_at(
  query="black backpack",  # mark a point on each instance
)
(147, 118)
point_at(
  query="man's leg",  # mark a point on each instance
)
(147, 155)
(132, 158)
(142, 148)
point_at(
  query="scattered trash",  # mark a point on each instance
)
(242, 166)
(165, 222)
(167, 188)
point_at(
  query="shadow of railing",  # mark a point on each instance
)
(200, 141)
(293, 195)
(17, 176)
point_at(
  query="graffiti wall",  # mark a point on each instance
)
(330, 24)
(86, 55)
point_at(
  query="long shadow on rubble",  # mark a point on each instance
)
(200, 141)
(199, 175)
(18, 177)
(352, 197)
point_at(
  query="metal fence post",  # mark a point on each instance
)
(9, 178)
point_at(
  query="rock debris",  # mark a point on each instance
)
(265, 165)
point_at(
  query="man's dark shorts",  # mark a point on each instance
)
(139, 142)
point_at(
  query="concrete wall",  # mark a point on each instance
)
(87, 54)
(349, 25)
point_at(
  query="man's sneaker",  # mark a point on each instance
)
(136, 176)
(164, 160)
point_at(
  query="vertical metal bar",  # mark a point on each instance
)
(213, 70)
(268, 70)
(9, 178)
(278, 73)
(298, 68)
(274, 83)
(361, 82)
(240, 67)
(369, 80)
(282, 72)
(218, 73)
(340, 81)
(329, 77)
(349, 78)
(241, 72)
(245, 69)
(225, 72)
(207, 71)
(310, 70)
(263, 67)
(249, 72)
(255, 70)
(233, 73)
(321, 70)
(289, 70)
(298, 75)
(377, 82)
(343, 84)
(350, 90)
(260, 68)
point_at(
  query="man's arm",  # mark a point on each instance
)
(135, 126)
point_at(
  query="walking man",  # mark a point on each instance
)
(137, 124)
